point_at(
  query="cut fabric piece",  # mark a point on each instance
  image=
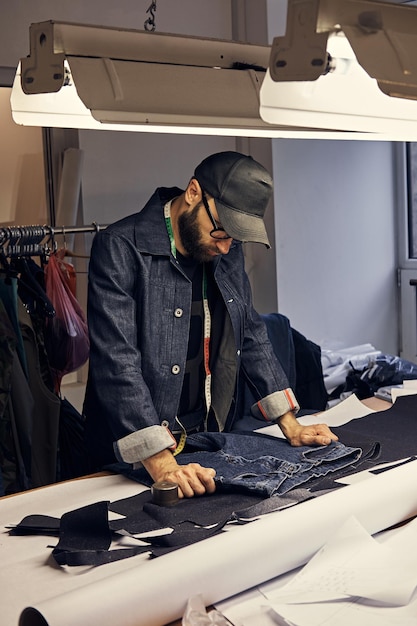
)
(85, 538)
(265, 465)
(274, 503)
(86, 528)
(130, 506)
(78, 558)
(184, 535)
(395, 429)
(255, 463)
(85, 534)
(371, 454)
(202, 510)
(37, 525)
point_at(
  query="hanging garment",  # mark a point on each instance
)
(30, 410)
(301, 359)
(73, 458)
(9, 297)
(46, 411)
(15, 462)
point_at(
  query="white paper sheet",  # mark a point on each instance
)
(352, 563)
(347, 614)
(397, 392)
(353, 577)
(349, 558)
(135, 592)
(340, 414)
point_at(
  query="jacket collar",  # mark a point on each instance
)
(151, 221)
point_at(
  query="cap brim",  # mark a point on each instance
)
(241, 226)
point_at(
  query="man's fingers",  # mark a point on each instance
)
(193, 479)
(314, 434)
(324, 430)
(207, 478)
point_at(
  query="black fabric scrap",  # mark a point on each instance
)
(97, 557)
(202, 510)
(185, 536)
(395, 429)
(381, 470)
(131, 505)
(37, 525)
(86, 528)
(136, 523)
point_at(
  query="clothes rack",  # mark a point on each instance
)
(41, 433)
(35, 240)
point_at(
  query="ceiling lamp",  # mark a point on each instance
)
(347, 64)
(81, 76)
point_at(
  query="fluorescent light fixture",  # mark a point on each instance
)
(80, 76)
(314, 74)
(91, 77)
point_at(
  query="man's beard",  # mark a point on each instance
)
(189, 232)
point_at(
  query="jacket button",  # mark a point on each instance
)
(175, 369)
(178, 312)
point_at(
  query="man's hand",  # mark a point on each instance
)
(192, 479)
(298, 435)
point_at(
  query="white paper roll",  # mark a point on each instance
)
(156, 592)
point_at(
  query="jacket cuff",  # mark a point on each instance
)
(276, 404)
(143, 443)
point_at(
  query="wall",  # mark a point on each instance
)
(22, 187)
(191, 17)
(335, 221)
(335, 233)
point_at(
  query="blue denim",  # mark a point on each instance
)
(139, 308)
(264, 465)
(256, 463)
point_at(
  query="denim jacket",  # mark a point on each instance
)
(139, 308)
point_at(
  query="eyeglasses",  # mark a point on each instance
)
(217, 232)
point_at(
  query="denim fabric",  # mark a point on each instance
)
(256, 463)
(139, 309)
(274, 503)
(264, 465)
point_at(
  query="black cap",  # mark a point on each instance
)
(241, 189)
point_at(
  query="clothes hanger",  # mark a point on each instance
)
(64, 251)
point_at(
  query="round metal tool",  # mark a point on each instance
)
(164, 493)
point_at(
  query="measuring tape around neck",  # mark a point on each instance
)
(206, 328)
